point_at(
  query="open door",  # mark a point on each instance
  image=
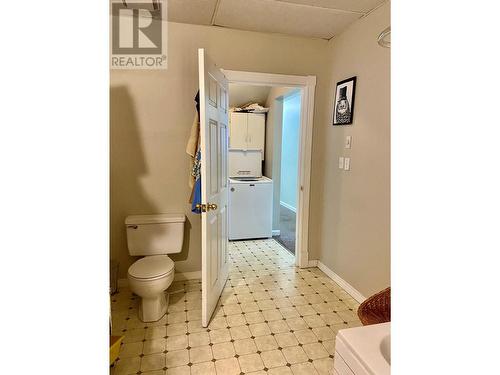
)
(214, 184)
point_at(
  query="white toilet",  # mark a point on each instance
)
(153, 236)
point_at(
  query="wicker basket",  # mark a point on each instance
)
(376, 309)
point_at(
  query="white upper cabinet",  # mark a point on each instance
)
(247, 131)
(238, 131)
(256, 131)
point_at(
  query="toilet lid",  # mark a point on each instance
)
(151, 266)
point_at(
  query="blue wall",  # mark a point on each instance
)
(290, 149)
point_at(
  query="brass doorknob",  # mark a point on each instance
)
(201, 207)
(211, 206)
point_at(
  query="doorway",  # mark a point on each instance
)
(299, 89)
(289, 165)
(264, 125)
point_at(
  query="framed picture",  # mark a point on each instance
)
(344, 102)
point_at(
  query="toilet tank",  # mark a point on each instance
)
(159, 234)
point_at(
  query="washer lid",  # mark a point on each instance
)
(255, 180)
(151, 266)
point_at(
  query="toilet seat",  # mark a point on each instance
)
(151, 267)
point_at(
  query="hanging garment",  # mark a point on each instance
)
(196, 193)
(193, 150)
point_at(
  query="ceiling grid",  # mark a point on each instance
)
(289, 17)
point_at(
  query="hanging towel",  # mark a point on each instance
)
(192, 148)
(192, 145)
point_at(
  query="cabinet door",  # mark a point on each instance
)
(256, 131)
(238, 131)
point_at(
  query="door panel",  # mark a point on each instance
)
(213, 150)
(224, 220)
(214, 187)
(223, 98)
(212, 94)
(214, 266)
(223, 156)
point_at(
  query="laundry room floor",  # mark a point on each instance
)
(272, 318)
(287, 229)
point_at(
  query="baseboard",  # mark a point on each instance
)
(276, 232)
(178, 276)
(286, 205)
(181, 276)
(312, 263)
(344, 284)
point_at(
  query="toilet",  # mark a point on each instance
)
(153, 237)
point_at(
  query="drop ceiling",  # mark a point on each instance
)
(307, 18)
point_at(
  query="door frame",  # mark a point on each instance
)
(307, 86)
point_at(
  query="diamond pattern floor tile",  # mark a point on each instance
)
(272, 318)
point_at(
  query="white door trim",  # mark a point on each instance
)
(307, 85)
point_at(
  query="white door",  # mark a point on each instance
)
(214, 184)
(238, 133)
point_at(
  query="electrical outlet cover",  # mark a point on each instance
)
(348, 141)
(347, 164)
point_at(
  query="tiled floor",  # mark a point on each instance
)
(272, 318)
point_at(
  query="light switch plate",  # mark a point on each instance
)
(348, 141)
(341, 162)
(347, 164)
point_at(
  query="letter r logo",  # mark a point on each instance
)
(136, 30)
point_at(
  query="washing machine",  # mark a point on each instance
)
(250, 208)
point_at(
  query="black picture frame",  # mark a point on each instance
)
(343, 104)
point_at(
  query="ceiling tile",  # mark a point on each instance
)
(282, 17)
(363, 6)
(197, 12)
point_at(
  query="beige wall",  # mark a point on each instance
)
(151, 114)
(350, 211)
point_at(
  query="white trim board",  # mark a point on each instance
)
(306, 85)
(312, 263)
(344, 284)
(178, 276)
(276, 232)
(286, 205)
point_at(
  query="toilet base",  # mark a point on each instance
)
(153, 309)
